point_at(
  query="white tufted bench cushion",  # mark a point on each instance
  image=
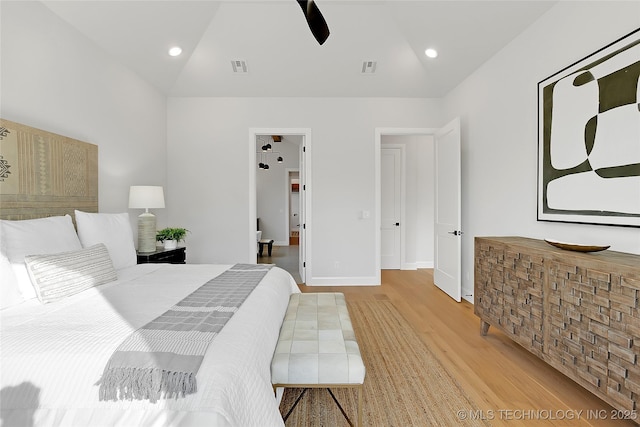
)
(317, 346)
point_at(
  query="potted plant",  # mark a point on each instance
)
(171, 236)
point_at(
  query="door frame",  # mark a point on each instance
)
(288, 203)
(403, 198)
(305, 182)
(379, 132)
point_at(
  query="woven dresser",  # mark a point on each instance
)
(578, 312)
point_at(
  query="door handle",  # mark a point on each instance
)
(397, 224)
(455, 232)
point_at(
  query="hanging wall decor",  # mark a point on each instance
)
(45, 174)
(589, 138)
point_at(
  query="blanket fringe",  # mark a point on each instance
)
(145, 384)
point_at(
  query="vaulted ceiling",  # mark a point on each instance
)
(283, 58)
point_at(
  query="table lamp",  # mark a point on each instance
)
(146, 197)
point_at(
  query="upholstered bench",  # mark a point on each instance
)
(317, 347)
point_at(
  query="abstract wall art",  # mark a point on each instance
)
(589, 138)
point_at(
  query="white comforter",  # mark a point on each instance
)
(52, 355)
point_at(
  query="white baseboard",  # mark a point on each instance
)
(342, 281)
(409, 266)
(416, 265)
(467, 294)
(424, 264)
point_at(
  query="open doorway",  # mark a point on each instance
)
(285, 253)
(404, 176)
(446, 233)
(293, 189)
(280, 188)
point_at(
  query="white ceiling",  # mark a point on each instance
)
(283, 57)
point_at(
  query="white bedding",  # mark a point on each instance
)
(52, 355)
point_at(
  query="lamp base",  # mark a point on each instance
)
(146, 232)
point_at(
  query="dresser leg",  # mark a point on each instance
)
(484, 328)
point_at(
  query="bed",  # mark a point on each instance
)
(71, 294)
(53, 354)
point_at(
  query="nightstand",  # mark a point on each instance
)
(167, 256)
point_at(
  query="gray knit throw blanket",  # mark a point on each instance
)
(161, 359)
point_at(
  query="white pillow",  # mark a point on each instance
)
(35, 236)
(114, 230)
(9, 290)
(60, 275)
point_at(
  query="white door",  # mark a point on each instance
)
(448, 241)
(302, 191)
(390, 201)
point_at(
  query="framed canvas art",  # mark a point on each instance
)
(589, 138)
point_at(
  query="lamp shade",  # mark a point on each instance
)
(146, 197)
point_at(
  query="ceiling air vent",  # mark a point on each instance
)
(240, 66)
(369, 67)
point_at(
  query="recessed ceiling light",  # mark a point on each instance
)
(431, 53)
(175, 51)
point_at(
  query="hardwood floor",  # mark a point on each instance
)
(511, 386)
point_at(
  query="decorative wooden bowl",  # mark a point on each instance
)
(576, 247)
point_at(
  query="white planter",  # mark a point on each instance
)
(170, 244)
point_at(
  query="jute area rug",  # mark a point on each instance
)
(405, 384)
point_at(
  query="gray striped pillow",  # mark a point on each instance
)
(57, 276)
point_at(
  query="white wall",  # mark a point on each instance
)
(272, 189)
(207, 143)
(54, 78)
(419, 208)
(498, 110)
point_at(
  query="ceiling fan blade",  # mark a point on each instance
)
(316, 21)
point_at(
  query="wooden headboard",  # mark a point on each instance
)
(44, 174)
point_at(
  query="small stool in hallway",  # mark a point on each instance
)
(268, 242)
(317, 348)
